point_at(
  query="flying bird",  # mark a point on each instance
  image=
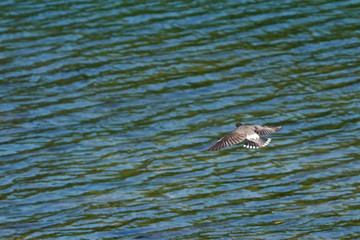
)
(252, 134)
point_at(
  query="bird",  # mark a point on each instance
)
(252, 134)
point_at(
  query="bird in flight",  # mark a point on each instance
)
(252, 134)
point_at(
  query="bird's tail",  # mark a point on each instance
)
(257, 143)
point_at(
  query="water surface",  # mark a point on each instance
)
(106, 106)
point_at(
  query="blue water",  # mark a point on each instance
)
(106, 106)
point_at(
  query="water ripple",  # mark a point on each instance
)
(106, 107)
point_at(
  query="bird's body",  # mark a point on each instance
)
(252, 134)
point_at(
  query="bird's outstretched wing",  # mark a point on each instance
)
(230, 139)
(265, 130)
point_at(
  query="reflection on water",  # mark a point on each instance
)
(106, 106)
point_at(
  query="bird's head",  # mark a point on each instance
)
(238, 125)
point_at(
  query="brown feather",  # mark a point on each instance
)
(230, 139)
(265, 130)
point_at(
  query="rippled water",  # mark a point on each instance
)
(106, 106)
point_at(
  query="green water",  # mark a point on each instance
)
(106, 106)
